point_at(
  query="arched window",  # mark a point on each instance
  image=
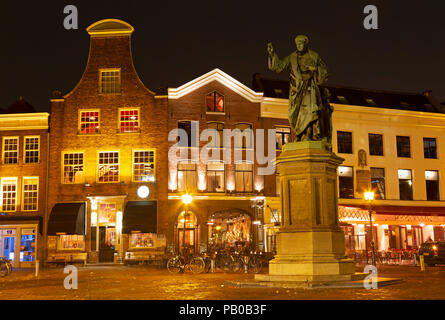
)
(215, 102)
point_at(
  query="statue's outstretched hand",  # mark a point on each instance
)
(270, 49)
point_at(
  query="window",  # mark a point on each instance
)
(143, 240)
(432, 185)
(108, 166)
(70, 242)
(110, 81)
(218, 132)
(89, 121)
(215, 177)
(430, 148)
(244, 137)
(190, 128)
(378, 182)
(30, 193)
(10, 150)
(403, 147)
(344, 142)
(187, 176)
(73, 168)
(129, 120)
(375, 144)
(9, 194)
(32, 149)
(282, 137)
(215, 102)
(405, 184)
(244, 177)
(143, 166)
(346, 182)
(275, 216)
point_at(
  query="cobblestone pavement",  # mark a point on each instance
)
(141, 282)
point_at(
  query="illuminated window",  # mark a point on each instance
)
(129, 120)
(346, 182)
(10, 150)
(432, 185)
(216, 132)
(187, 176)
(70, 242)
(282, 137)
(275, 216)
(32, 149)
(73, 167)
(9, 194)
(89, 121)
(108, 166)
(215, 102)
(244, 137)
(378, 182)
(143, 166)
(110, 81)
(405, 184)
(30, 193)
(215, 177)
(244, 177)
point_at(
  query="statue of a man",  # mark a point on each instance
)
(309, 109)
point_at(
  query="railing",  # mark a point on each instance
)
(389, 257)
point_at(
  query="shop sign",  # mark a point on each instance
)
(28, 231)
(9, 232)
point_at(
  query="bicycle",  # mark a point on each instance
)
(179, 263)
(5, 267)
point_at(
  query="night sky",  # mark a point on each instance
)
(177, 41)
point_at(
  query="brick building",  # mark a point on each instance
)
(108, 138)
(23, 189)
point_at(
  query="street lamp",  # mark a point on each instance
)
(369, 196)
(186, 200)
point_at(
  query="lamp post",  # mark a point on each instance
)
(186, 200)
(369, 196)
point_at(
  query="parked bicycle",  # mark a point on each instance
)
(186, 263)
(5, 267)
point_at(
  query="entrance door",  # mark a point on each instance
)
(107, 239)
(8, 248)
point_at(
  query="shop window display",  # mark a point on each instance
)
(71, 242)
(27, 247)
(229, 228)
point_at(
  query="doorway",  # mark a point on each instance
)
(8, 243)
(107, 243)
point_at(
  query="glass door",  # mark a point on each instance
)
(9, 245)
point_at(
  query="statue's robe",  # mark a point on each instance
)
(305, 99)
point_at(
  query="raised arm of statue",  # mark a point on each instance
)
(276, 64)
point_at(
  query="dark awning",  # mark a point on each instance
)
(140, 216)
(68, 218)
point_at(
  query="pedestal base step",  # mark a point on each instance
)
(311, 278)
(358, 284)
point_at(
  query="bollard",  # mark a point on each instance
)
(415, 259)
(212, 265)
(37, 268)
(422, 263)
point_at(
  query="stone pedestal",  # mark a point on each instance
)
(310, 243)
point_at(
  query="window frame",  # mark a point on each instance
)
(436, 149)
(412, 184)
(16, 193)
(63, 166)
(221, 142)
(369, 144)
(100, 80)
(384, 182)
(23, 193)
(282, 134)
(352, 142)
(24, 149)
(192, 144)
(224, 176)
(397, 147)
(119, 121)
(80, 121)
(118, 164)
(353, 182)
(17, 149)
(244, 171)
(133, 163)
(188, 161)
(252, 139)
(214, 92)
(438, 185)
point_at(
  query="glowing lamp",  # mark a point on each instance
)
(143, 192)
(94, 218)
(369, 196)
(119, 220)
(187, 199)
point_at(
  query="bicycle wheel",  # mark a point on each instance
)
(237, 264)
(255, 264)
(197, 265)
(174, 265)
(4, 270)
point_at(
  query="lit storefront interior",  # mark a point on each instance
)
(187, 231)
(19, 244)
(229, 228)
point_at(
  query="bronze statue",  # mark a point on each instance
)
(309, 110)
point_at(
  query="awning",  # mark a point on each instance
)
(140, 216)
(68, 218)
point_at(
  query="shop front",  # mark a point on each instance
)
(19, 244)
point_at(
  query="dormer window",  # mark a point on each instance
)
(215, 102)
(110, 81)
